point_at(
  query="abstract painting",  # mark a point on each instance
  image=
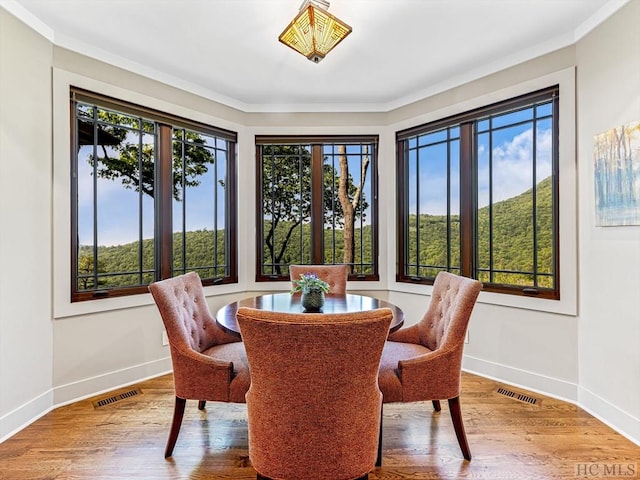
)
(616, 157)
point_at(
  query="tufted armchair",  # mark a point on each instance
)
(335, 275)
(314, 414)
(424, 361)
(208, 363)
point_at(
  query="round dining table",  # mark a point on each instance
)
(288, 303)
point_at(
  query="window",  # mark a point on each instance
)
(316, 204)
(478, 197)
(152, 197)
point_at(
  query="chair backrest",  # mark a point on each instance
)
(446, 320)
(314, 402)
(335, 275)
(186, 315)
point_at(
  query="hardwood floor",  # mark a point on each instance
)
(509, 439)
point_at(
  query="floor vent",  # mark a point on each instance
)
(116, 398)
(519, 396)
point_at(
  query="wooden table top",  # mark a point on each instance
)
(287, 303)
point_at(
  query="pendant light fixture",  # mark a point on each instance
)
(314, 32)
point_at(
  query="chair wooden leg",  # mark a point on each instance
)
(201, 404)
(379, 457)
(436, 405)
(178, 413)
(458, 426)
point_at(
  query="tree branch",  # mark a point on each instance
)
(363, 175)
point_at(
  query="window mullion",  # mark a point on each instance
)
(534, 195)
(216, 266)
(95, 197)
(491, 209)
(300, 157)
(448, 224)
(317, 204)
(274, 180)
(402, 252)
(183, 206)
(75, 241)
(140, 200)
(364, 153)
(333, 204)
(230, 217)
(467, 200)
(163, 195)
(418, 212)
(554, 192)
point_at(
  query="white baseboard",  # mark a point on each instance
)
(552, 387)
(89, 387)
(622, 422)
(24, 415)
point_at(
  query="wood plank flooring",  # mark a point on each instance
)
(509, 439)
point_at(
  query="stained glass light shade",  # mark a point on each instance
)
(314, 32)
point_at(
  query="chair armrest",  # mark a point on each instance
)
(432, 376)
(200, 377)
(409, 334)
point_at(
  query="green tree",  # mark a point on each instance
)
(286, 197)
(86, 270)
(121, 154)
(286, 201)
(350, 197)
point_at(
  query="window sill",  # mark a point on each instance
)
(71, 309)
(564, 306)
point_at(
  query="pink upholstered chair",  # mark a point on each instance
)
(335, 275)
(314, 404)
(424, 361)
(208, 363)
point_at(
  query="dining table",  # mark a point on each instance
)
(291, 303)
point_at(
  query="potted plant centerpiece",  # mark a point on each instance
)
(313, 290)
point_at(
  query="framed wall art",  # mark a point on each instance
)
(616, 156)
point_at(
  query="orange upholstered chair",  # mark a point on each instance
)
(208, 363)
(314, 404)
(335, 275)
(424, 361)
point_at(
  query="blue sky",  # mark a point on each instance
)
(118, 213)
(118, 207)
(512, 168)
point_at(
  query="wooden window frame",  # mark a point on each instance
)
(317, 214)
(468, 192)
(163, 204)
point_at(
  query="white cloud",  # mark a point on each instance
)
(513, 168)
(512, 173)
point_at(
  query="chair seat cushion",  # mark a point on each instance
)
(388, 375)
(234, 352)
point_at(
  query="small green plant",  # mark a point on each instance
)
(309, 282)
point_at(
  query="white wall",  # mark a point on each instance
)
(609, 325)
(25, 224)
(86, 347)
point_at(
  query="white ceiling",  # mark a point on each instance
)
(228, 50)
